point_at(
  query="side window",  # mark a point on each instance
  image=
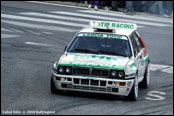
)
(134, 45)
(139, 44)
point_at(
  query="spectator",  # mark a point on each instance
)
(114, 5)
(105, 4)
(129, 7)
(96, 3)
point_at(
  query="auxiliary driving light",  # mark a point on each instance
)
(58, 78)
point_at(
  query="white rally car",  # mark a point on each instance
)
(106, 57)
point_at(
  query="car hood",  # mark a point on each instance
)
(95, 61)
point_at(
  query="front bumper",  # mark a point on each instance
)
(92, 84)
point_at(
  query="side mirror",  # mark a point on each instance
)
(65, 48)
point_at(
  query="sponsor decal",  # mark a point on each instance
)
(101, 35)
(113, 25)
(90, 61)
(77, 57)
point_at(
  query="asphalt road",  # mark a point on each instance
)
(34, 35)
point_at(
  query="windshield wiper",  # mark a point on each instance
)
(111, 53)
(85, 51)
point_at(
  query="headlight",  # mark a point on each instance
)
(120, 74)
(114, 73)
(61, 69)
(117, 74)
(68, 70)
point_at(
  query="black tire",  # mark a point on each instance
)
(52, 86)
(132, 95)
(144, 84)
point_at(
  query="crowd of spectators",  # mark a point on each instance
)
(154, 7)
(107, 5)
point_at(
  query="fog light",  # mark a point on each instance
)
(58, 78)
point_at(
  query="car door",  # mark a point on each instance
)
(137, 55)
(141, 54)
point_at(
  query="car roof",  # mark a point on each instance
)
(118, 32)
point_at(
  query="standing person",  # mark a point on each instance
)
(96, 3)
(106, 4)
(129, 7)
(114, 5)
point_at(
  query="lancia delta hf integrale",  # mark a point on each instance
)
(106, 57)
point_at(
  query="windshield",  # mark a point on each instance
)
(99, 43)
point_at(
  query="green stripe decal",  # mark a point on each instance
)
(94, 66)
(145, 59)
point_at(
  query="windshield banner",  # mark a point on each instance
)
(103, 35)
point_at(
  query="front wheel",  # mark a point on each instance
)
(52, 86)
(145, 82)
(133, 95)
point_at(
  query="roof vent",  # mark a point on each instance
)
(104, 30)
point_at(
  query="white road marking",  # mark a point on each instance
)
(37, 26)
(110, 12)
(60, 17)
(168, 70)
(153, 95)
(8, 36)
(37, 44)
(49, 33)
(15, 30)
(162, 68)
(108, 18)
(128, 16)
(11, 30)
(55, 16)
(3, 29)
(157, 66)
(42, 20)
(33, 32)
